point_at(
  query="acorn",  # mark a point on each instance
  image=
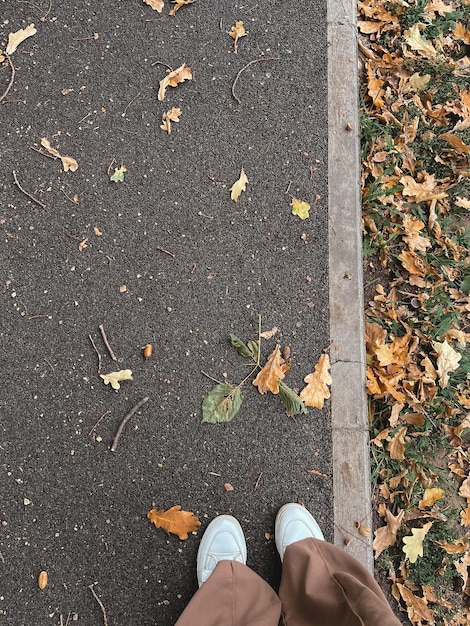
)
(148, 351)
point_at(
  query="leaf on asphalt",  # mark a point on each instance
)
(416, 42)
(236, 32)
(114, 378)
(238, 186)
(413, 547)
(173, 79)
(14, 39)
(173, 115)
(447, 361)
(291, 401)
(274, 370)
(430, 496)
(387, 535)
(179, 4)
(316, 391)
(157, 5)
(175, 521)
(68, 163)
(221, 404)
(118, 176)
(267, 334)
(240, 347)
(300, 208)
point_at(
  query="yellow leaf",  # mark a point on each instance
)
(416, 82)
(416, 42)
(14, 39)
(179, 4)
(413, 547)
(465, 516)
(42, 580)
(300, 208)
(173, 115)
(157, 5)
(173, 78)
(237, 31)
(268, 378)
(430, 497)
(175, 521)
(113, 378)
(447, 361)
(238, 186)
(316, 391)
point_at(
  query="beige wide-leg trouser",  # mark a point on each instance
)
(321, 585)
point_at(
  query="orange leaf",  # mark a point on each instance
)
(418, 610)
(455, 142)
(236, 32)
(465, 516)
(175, 521)
(396, 447)
(316, 391)
(430, 496)
(268, 378)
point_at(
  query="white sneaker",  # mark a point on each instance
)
(223, 540)
(293, 523)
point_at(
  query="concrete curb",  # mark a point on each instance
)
(351, 465)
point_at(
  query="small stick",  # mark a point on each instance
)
(124, 422)
(49, 156)
(49, 363)
(288, 187)
(123, 114)
(94, 36)
(69, 199)
(12, 77)
(257, 482)
(92, 429)
(36, 317)
(106, 343)
(243, 69)
(165, 251)
(84, 118)
(26, 193)
(103, 610)
(210, 377)
(161, 63)
(110, 166)
(96, 350)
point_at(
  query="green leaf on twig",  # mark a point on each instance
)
(221, 404)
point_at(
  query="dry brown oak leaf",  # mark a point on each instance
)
(172, 79)
(175, 521)
(268, 378)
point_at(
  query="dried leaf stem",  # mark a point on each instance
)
(166, 251)
(106, 343)
(92, 429)
(12, 77)
(123, 114)
(26, 193)
(124, 422)
(244, 68)
(103, 610)
(96, 350)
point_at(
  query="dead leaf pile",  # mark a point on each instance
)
(415, 186)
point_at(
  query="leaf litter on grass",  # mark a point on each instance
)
(415, 186)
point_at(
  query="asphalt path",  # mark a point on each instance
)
(164, 257)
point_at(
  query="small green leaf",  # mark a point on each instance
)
(254, 349)
(240, 347)
(291, 401)
(465, 286)
(118, 175)
(221, 404)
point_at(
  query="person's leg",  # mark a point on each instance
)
(321, 584)
(230, 593)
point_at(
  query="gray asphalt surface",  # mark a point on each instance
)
(68, 504)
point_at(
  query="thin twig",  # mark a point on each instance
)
(69, 199)
(165, 251)
(103, 610)
(124, 422)
(161, 63)
(44, 17)
(123, 114)
(96, 350)
(92, 429)
(257, 482)
(26, 193)
(106, 343)
(210, 377)
(244, 68)
(49, 156)
(49, 363)
(94, 36)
